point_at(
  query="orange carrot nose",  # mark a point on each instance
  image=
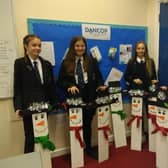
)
(152, 108)
(73, 117)
(41, 123)
(101, 114)
(135, 105)
(161, 117)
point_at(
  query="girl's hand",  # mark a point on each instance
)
(163, 87)
(138, 81)
(154, 81)
(17, 113)
(101, 88)
(73, 90)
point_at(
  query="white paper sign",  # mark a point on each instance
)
(93, 31)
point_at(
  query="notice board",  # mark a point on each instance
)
(120, 38)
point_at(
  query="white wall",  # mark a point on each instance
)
(123, 12)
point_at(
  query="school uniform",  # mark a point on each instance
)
(92, 80)
(29, 88)
(137, 69)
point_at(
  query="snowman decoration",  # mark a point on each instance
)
(41, 133)
(161, 130)
(103, 114)
(152, 110)
(117, 113)
(76, 131)
(136, 119)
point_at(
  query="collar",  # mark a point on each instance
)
(139, 60)
(77, 58)
(32, 60)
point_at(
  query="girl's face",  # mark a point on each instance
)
(80, 48)
(140, 50)
(33, 48)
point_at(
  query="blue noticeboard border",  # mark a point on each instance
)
(61, 32)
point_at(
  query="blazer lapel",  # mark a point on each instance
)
(28, 63)
(44, 69)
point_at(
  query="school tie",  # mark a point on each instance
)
(142, 61)
(37, 70)
(79, 73)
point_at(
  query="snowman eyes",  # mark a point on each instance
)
(75, 111)
(162, 112)
(106, 109)
(42, 115)
(136, 101)
(36, 117)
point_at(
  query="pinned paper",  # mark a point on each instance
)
(112, 52)
(48, 51)
(96, 53)
(114, 75)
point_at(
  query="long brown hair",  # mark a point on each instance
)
(70, 56)
(148, 60)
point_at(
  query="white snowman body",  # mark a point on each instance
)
(77, 153)
(103, 114)
(118, 123)
(136, 132)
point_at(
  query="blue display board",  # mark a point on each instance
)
(61, 32)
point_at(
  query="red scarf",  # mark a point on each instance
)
(133, 117)
(105, 129)
(77, 135)
(152, 117)
(163, 130)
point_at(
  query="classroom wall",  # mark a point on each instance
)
(122, 12)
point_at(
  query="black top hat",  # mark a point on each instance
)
(114, 86)
(102, 98)
(114, 83)
(152, 94)
(162, 98)
(74, 100)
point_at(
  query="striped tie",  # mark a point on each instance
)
(79, 73)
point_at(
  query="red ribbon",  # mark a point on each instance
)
(163, 130)
(133, 117)
(105, 130)
(64, 105)
(77, 135)
(153, 118)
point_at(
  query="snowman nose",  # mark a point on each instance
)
(161, 117)
(73, 117)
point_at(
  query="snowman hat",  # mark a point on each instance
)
(102, 98)
(162, 98)
(74, 100)
(136, 93)
(114, 87)
(153, 90)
